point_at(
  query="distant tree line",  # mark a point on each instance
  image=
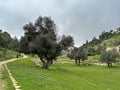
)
(94, 46)
(6, 41)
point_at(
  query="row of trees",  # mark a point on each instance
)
(93, 47)
(103, 36)
(81, 54)
(6, 41)
(40, 38)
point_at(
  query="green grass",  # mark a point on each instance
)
(96, 57)
(64, 59)
(6, 78)
(92, 59)
(65, 76)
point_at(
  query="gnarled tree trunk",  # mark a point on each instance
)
(46, 63)
(109, 64)
(77, 62)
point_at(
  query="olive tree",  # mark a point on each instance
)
(78, 54)
(40, 38)
(109, 57)
(66, 42)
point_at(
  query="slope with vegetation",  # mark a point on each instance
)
(113, 41)
(6, 41)
(105, 40)
(95, 48)
(64, 76)
(8, 46)
(6, 54)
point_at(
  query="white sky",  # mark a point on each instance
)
(82, 19)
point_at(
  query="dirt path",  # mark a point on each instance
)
(2, 82)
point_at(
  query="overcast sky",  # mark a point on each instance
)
(81, 19)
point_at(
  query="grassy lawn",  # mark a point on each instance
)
(65, 76)
(96, 57)
(6, 80)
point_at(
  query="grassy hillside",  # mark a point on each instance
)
(113, 41)
(110, 43)
(6, 54)
(64, 76)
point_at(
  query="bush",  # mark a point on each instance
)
(109, 57)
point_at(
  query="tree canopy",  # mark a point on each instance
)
(40, 38)
(109, 57)
(78, 54)
(5, 39)
(66, 42)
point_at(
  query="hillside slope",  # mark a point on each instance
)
(114, 41)
(105, 41)
(6, 54)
